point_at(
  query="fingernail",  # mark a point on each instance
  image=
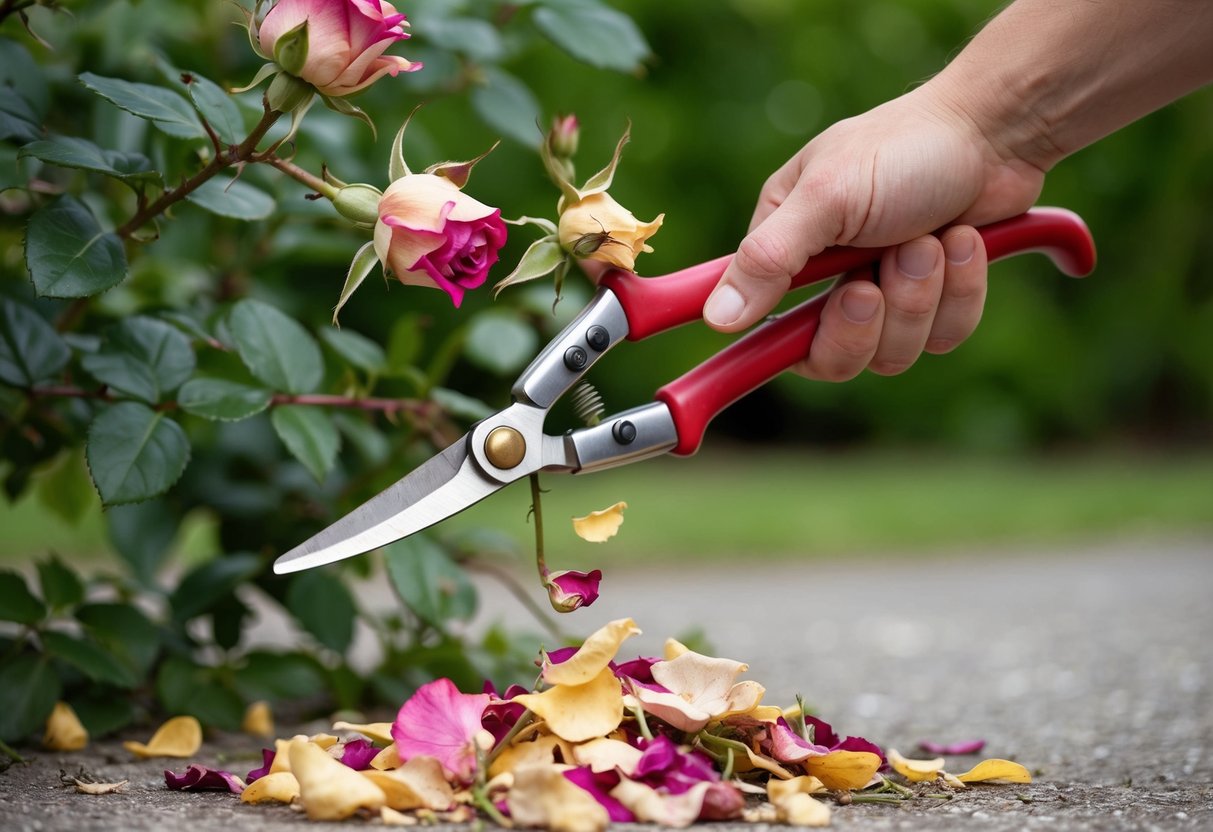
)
(917, 259)
(959, 248)
(859, 306)
(724, 306)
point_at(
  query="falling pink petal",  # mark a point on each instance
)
(569, 589)
(965, 747)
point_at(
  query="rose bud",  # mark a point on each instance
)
(569, 589)
(430, 233)
(336, 46)
(563, 137)
(599, 228)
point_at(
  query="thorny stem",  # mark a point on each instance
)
(8, 7)
(306, 177)
(523, 721)
(537, 510)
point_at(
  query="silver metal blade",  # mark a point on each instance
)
(445, 485)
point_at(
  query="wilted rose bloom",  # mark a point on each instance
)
(430, 233)
(345, 41)
(599, 228)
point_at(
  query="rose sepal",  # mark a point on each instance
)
(540, 259)
(459, 172)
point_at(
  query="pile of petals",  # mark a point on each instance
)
(669, 740)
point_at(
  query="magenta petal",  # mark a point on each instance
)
(860, 744)
(666, 767)
(570, 589)
(639, 669)
(198, 778)
(722, 801)
(500, 715)
(267, 760)
(599, 786)
(561, 654)
(787, 746)
(823, 734)
(440, 722)
(966, 747)
(357, 754)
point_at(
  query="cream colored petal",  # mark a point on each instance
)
(916, 771)
(766, 713)
(279, 787)
(755, 760)
(181, 736)
(380, 732)
(844, 769)
(258, 719)
(328, 789)
(996, 769)
(99, 788)
(542, 797)
(650, 806)
(804, 784)
(595, 654)
(390, 817)
(606, 755)
(743, 698)
(540, 751)
(801, 810)
(579, 712)
(705, 680)
(64, 730)
(674, 648)
(418, 784)
(600, 526)
(672, 708)
(387, 759)
(418, 200)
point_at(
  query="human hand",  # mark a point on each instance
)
(886, 178)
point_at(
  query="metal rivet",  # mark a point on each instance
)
(624, 432)
(598, 338)
(575, 358)
(504, 447)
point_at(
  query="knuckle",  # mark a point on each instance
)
(764, 256)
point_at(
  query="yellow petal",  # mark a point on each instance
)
(390, 817)
(64, 731)
(181, 736)
(606, 755)
(595, 653)
(650, 806)
(600, 526)
(755, 760)
(801, 810)
(258, 720)
(703, 680)
(542, 797)
(386, 759)
(418, 784)
(743, 698)
(766, 713)
(779, 789)
(996, 770)
(579, 712)
(279, 787)
(674, 648)
(325, 741)
(540, 751)
(99, 788)
(916, 771)
(380, 732)
(844, 769)
(328, 789)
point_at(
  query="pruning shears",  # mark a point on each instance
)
(511, 444)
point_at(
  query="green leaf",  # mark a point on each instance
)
(186, 688)
(272, 676)
(164, 108)
(364, 261)
(230, 197)
(135, 453)
(24, 94)
(18, 121)
(67, 253)
(364, 437)
(471, 36)
(66, 490)
(103, 711)
(500, 342)
(227, 621)
(310, 435)
(325, 608)
(222, 400)
(460, 405)
(17, 603)
(143, 357)
(540, 259)
(204, 586)
(218, 108)
(429, 582)
(124, 631)
(90, 658)
(29, 690)
(593, 33)
(142, 534)
(61, 586)
(508, 105)
(357, 349)
(81, 154)
(275, 347)
(30, 348)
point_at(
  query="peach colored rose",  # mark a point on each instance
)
(599, 228)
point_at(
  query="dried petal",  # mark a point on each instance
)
(99, 788)
(387, 759)
(390, 817)
(916, 771)
(198, 778)
(64, 731)
(542, 796)
(965, 747)
(844, 769)
(579, 712)
(380, 732)
(258, 720)
(779, 789)
(181, 736)
(440, 722)
(995, 769)
(599, 786)
(651, 806)
(279, 787)
(604, 754)
(329, 790)
(267, 765)
(358, 754)
(539, 751)
(418, 784)
(801, 810)
(600, 526)
(595, 654)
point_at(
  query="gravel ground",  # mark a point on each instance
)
(1092, 665)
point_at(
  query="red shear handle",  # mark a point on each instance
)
(655, 304)
(696, 397)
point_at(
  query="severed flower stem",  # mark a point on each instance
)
(642, 724)
(526, 719)
(537, 510)
(481, 799)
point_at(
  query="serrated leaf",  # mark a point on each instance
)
(163, 107)
(143, 357)
(61, 586)
(67, 253)
(593, 33)
(310, 435)
(507, 104)
(539, 260)
(325, 608)
(357, 349)
(500, 342)
(364, 260)
(363, 436)
(29, 689)
(17, 603)
(30, 349)
(90, 658)
(205, 585)
(81, 154)
(18, 120)
(135, 453)
(429, 582)
(275, 348)
(233, 198)
(222, 400)
(24, 93)
(218, 108)
(142, 535)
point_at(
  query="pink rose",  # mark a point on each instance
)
(430, 233)
(345, 41)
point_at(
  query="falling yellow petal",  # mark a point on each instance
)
(844, 769)
(543, 797)
(99, 788)
(181, 736)
(916, 771)
(386, 759)
(328, 789)
(258, 720)
(380, 732)
(595, 653)
(600, 526)
(605, 754)
(64, 731)
(418, 784)
(996, 770)
(279, 787)
(579, 712)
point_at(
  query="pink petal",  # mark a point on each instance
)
(198, 778)
(357, 754)
(440, 722)
(599, 785)
(965, 747)
(267, 760)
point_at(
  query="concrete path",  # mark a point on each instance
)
(1091, 665)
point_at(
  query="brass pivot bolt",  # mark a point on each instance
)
(504, 447)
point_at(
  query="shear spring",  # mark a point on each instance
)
(587, 403)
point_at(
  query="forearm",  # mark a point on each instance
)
(1046, 78)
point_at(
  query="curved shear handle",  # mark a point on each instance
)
(695, 398)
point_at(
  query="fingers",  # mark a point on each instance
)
(964, 289)
(849, 333)
(911, 278)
